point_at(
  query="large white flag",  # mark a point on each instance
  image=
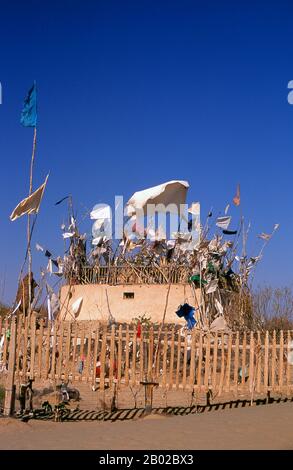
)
(172, 192)
(31, 204)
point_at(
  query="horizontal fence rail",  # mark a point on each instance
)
(134, 274)
(241, 363)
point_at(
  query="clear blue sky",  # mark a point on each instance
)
(135, 93)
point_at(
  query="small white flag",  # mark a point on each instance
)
(223, 222)
(67, 235)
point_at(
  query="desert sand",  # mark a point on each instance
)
(257, 427)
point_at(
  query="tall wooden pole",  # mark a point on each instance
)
(29, 225)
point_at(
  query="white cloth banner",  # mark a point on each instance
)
(172, 192)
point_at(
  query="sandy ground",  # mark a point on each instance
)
(262, 427)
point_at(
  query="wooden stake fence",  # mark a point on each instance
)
(236, 365)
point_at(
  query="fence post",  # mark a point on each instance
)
(215, 363)
(33, 334)
(172, 359)
(281, 362)
(9, 390)
(199, 367)
(252, 368)
(266, 363)
(150, 363)
(207, 363)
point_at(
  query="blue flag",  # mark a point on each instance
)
(29, 112)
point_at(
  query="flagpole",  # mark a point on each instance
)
(29, 251)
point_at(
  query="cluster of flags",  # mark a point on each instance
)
(31, 204)
(224, 222)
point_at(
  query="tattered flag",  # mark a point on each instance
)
(31, 204)
(171, 194)
(264, 236)
(67, 235)
(223, 222)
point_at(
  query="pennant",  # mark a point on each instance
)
(61, 200)
(15, 309)
(29, 111)
(236, 199)
(99, 240)
(67, 235)
(264, 236)
(49, 255)
(76, 306)
(223, 222)
(31, 204)
(55, 262)
(229, 232)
